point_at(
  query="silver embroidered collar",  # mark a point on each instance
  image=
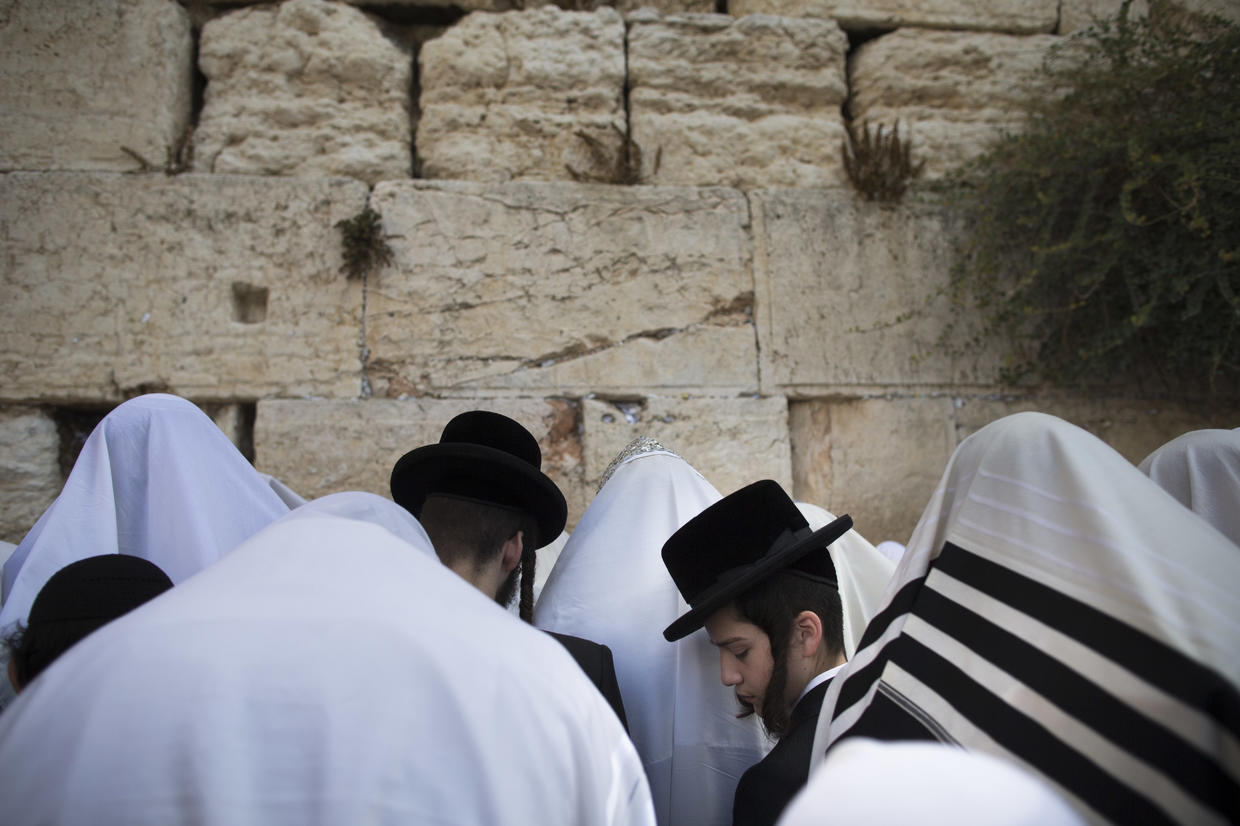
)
(640, 445)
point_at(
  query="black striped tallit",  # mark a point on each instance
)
(964, 669)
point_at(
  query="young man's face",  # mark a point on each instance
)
(745, 659)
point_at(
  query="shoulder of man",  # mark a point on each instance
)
(596, 660)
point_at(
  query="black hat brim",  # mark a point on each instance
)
(719, 595)
(422, 472)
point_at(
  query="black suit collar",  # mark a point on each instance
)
(809, 705)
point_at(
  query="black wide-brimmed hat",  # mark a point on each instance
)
(739, 542)
(483, 457)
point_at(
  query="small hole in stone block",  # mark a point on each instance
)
(249, 303)
(73, 425)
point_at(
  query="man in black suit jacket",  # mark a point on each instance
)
(764, 587)
(596, 660)
(487, 507)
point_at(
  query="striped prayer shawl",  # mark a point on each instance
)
(1057, 611)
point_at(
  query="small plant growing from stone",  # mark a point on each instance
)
(178, 158)
(365, 247)
(613, 164)
(880, 166)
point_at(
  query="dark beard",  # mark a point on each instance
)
(508, 589)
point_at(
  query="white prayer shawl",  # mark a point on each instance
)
(610, 585)
(1201, 469)
(155, 479)
(326, 671)
(1059, 610)
(287, 495)
(862, 572)
(878, 783)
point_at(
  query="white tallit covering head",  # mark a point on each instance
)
(610, 585)
(1057, 609)
(155, 479)
(862, 572)
(1201, 469)
(880, 783)
(327, 671)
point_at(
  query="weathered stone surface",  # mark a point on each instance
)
(628, 7)
(731, 442)
(846, 295)
(745, 103)
(463, 5)
(668, 7)
(207, 286)
(505, 96)
(237, 422)
(1134, 427)
(321, 447)
(81, 80)
(308, 87)
(876, 459)
(956, 92)
(1075, 15)
(1013, 16)
(554, 288)
(29, 472)
(1228, 9)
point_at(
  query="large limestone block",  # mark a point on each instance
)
(561, 289)
(324, 446)
(308, 87)
(628, 7)
(668, 7)
(213, 287)
(505, 96)
(1133, 426)
(956, 92)
(876, 459)
(29, 471)
(83, 80)
(1075, 15)
(730, 441)
(746, 103)
(847, 295)
(386, 6)
(1013, 16)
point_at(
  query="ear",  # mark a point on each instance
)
(13, 677)
(511, 552)
(807, 634)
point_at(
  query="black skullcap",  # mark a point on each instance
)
(84, 596)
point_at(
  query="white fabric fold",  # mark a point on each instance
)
(893, 784)
(328, 671)
(1201, 469)
(610, 585)
(863, 574)
(155, 479)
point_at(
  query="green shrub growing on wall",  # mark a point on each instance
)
(1104, 238)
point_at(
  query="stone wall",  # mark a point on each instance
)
(627, 221)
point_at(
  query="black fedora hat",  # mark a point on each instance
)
(739, 542)
(484, 457)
